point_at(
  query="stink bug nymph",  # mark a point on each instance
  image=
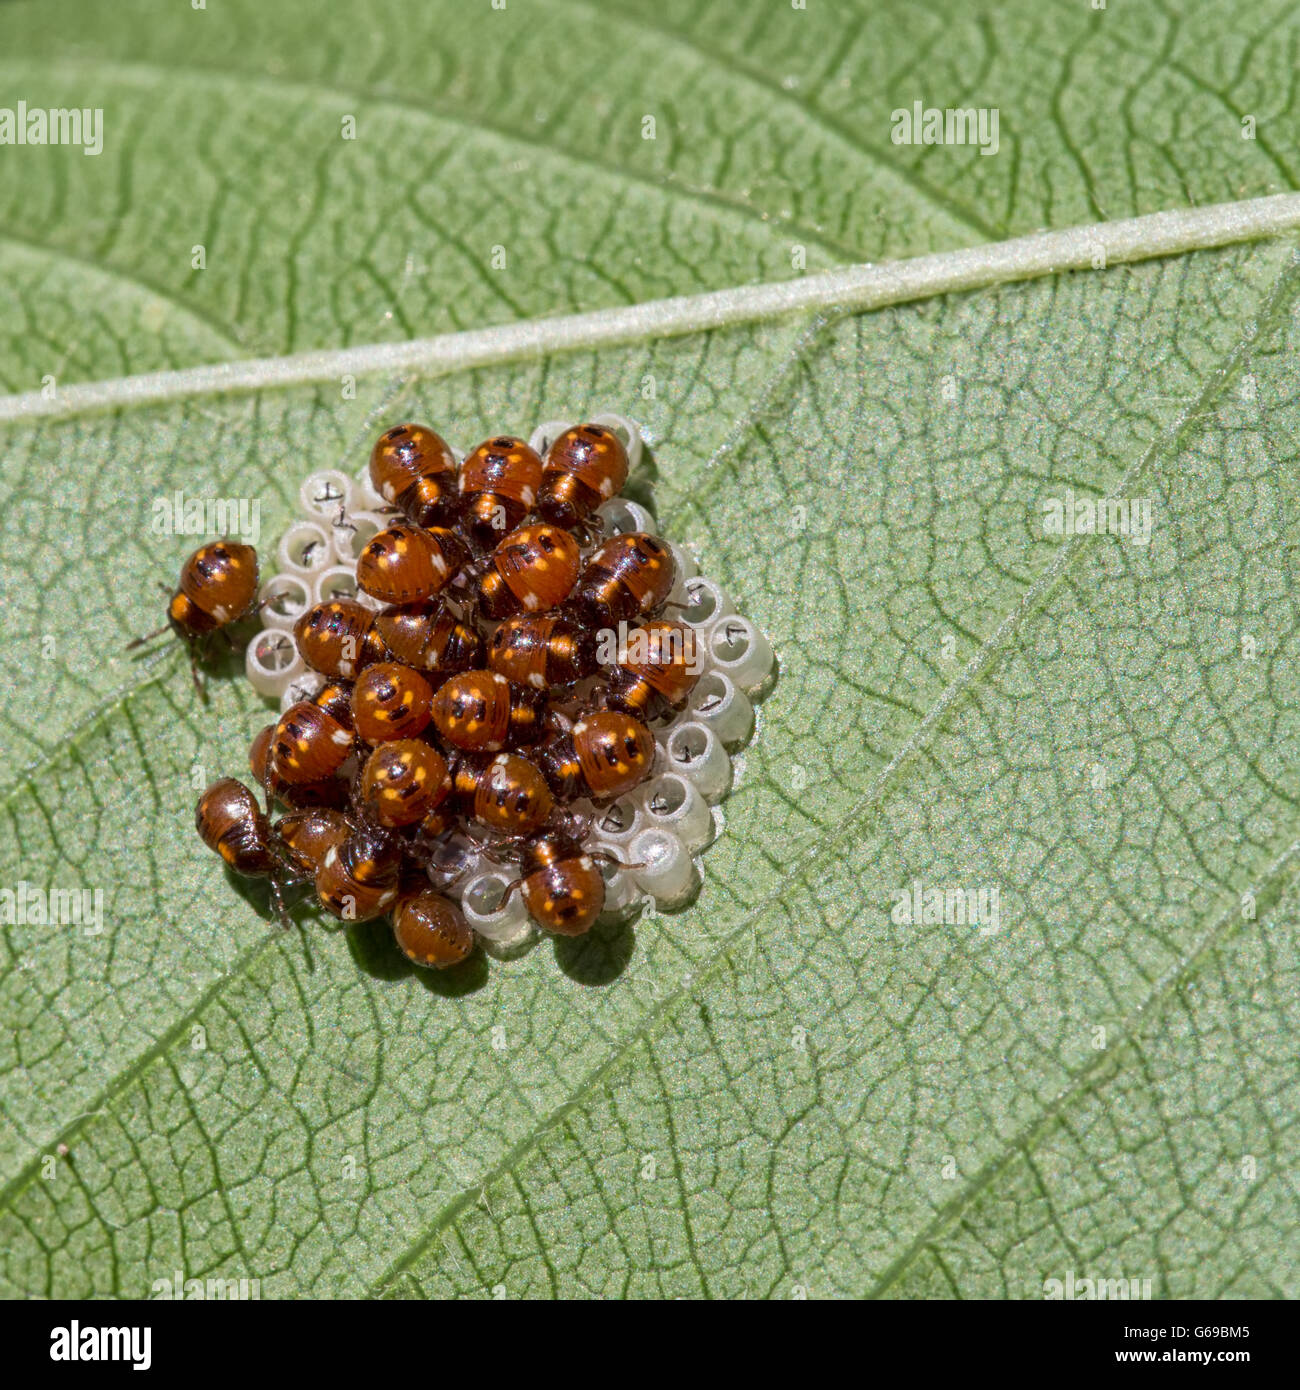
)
(430, 930)
(358, 879)
(218, 587)
(586, 466)
(403, 781)
(414, 470)
(337, 638)
(230, 821)
(306, 837)
(658, 668)
(429, 637)
(563, 888)
(630, 576)
(499, 482)
(482, 712)
(408, 564)
(390, 701)
(604, 755)
(309, 744)
(505, 792)
(298, 796)
(542, 651)
(531, 571)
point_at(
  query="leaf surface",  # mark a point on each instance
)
(780, 1090)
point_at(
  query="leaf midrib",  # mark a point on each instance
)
(855, 288)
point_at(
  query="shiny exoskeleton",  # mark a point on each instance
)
(482, 712)
(429, 637)
(630, 576)
(658, 667)
(430, 930)
(532, 570)
(505, 792)
(544, 651)
(218, 587)
(587, 465)
(414, 470)
(230, 821)
(499, 482)
(604, 755)
(390, 701)
(357, 880)
(408, 564)
(563, 888)
(306, 837)
(328, 791)
(335, 698)
(338, 638)
(309, 744)
(403, 781)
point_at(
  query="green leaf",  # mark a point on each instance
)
(780, 1090)
(523, 128)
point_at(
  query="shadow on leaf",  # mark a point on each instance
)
(374, 950)
(601, 955)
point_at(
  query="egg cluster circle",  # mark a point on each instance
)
(505, 702)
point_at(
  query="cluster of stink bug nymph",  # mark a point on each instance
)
(505, 702)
